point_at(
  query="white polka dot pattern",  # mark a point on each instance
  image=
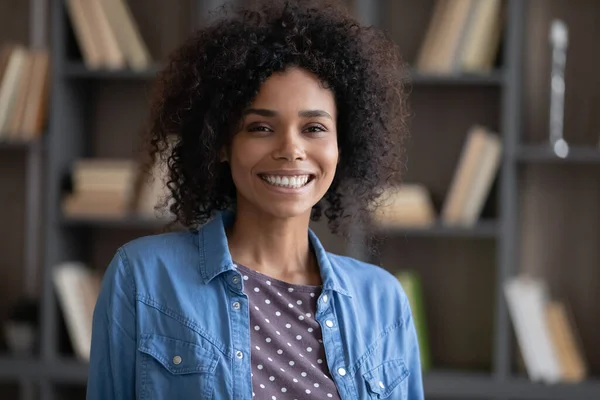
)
(288, 357)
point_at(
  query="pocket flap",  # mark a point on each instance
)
(178, 356)
(383, 379)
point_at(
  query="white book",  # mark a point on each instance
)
(69, 280)
(527, 300)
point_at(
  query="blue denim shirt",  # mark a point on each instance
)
(164, 326)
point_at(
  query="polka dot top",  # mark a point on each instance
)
(288, 357)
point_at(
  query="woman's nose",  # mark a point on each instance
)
(289, 147)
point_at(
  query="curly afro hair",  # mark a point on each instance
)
(200, 96)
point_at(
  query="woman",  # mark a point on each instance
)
(276, 115)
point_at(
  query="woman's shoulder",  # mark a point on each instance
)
(161, 243)
(146, 253)
(364, 276)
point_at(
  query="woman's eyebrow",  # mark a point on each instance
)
(263, 112)
(314, 113)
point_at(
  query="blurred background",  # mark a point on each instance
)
(494, 234)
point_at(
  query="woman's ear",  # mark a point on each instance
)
(223, 154)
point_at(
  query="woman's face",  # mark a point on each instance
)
(284, 158)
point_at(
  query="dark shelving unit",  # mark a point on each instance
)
(544, 154)
(127, 222)
(482, 229)
(493, 78)
(77, 70)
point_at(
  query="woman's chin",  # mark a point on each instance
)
(286, 211)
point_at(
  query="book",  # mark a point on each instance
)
(412, 286)
(107, 34)
(471, 183)
(101, 187)
(35, 113)
(77, 289)
(461, 36)
(546, 332)
(10, 84)
(406, 205)
(526, 299)
(565, 339)
(86, 40)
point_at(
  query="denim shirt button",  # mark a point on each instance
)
(341, 371)
(239, 354)
(236, 279)
(177, 360)
(329, 323)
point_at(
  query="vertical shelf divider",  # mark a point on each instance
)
(507, 253)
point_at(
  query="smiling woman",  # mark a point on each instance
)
(280, 113)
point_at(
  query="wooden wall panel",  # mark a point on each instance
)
(12, 214)
(163, 24)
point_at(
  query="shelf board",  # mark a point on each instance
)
(544, 154)
(483, 229)
(127, 222)
(69, 370)
(458, 385)
(78, 70)
(18, 144)
(493, 78)
(527, 390)
(17, 367)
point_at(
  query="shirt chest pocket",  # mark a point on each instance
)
(173, 369)
(387, 380)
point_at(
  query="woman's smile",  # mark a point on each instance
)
(287, 181)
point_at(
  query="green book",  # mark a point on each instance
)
(411, 283)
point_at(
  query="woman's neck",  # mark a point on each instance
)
(277, 247)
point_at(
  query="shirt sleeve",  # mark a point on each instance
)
(111, 373)
(413, 357)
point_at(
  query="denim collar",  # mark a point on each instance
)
(215, 257)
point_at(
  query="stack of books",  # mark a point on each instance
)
(101, 188)
(108, 35)
(462, 36)
(24, 83)
(408, 206)
(546, 332)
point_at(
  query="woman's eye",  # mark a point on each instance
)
(316, 129)
(259, 128)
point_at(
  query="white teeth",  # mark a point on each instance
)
(293, 182)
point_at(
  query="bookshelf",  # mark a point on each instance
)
(98, 113)
(77, 70)
(493, 78)
(541, 154)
